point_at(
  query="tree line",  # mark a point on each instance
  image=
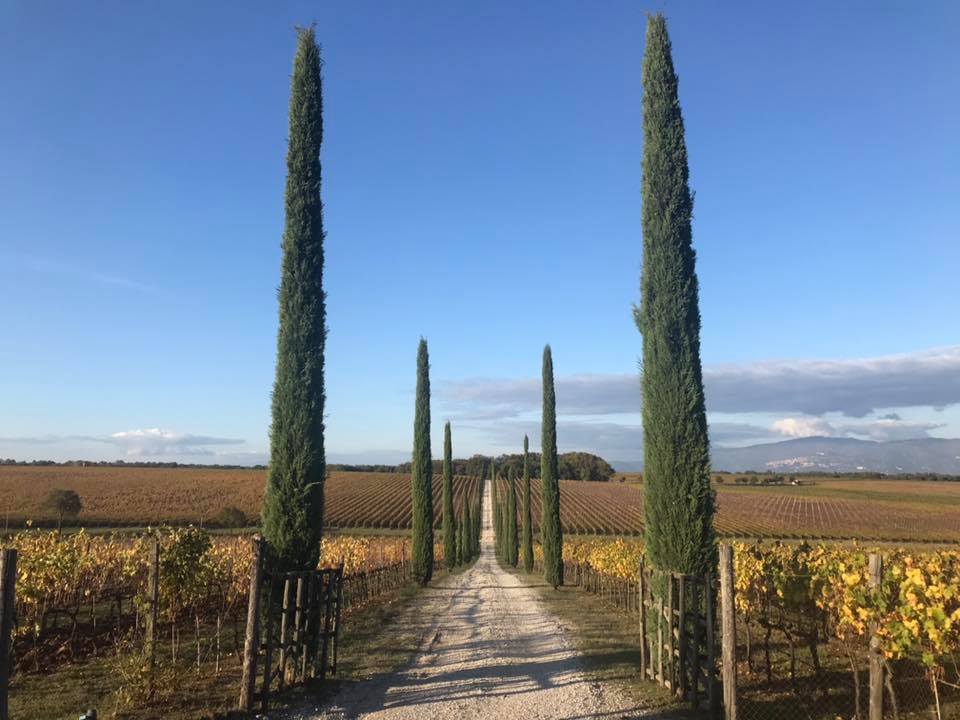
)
(570, 466)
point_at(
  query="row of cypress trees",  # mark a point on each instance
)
(513, 540)
(679, 503)
(460, 527)
(515, 544)
(506, 537)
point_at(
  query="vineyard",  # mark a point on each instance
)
(806, 614)
(358, 500)
(893, 510)
(81, 601)
(902, 511)
(115, 496)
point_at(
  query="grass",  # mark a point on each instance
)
(609, 643)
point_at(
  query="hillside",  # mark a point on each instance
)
(843, 455)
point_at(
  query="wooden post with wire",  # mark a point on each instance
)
(251, 640)
(729, 633)
(876, 657)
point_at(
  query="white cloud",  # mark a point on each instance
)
(853, 387)
(887, 428)
(154, 443)
(803, 427)
(157, 442)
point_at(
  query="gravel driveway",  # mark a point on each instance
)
(489, 649)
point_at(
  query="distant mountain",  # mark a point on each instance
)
(827, 454)
(840, 455)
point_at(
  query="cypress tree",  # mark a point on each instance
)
(293, 499)
(467, 527)
(504, 553)
(422, 474)
(678, 500)
(458, 545)
(477, 525)
(497, 536)
(526, 543)
(513, 544)
(449, 519)
(551, 536)
(496, 507)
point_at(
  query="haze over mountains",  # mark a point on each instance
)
(831, 454)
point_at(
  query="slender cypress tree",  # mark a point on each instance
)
(468, 549)
(458, 545)
(678, 500)
(449, 519)
(496, 507)
(551, 536)
(526, 543)
(497, 517)
(422, 474)
(505, 542)
(477, 525)
(513, 544)
(293, 500)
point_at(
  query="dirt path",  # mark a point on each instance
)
(489, 649)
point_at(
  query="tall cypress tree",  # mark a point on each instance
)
(505, 540)
(458, 545)
(495, 507)
(422, 474)
(551, 537)
(293, 500)
(678, 500)
(477, 525)
(526, 543)
(513, 544)
(449, 519)
(467, 524)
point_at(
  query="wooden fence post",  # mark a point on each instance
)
(876, 659)
(671, 637)
(251, 641)
(327, 622)
(682, 637)
(661, 677)
(8, 609)
(284, 631)
(336, 618)
(310, 633)
(153, 602)
(695, 665)
(643, 624)
(710, 602)
(299, 637)
(729, 631)
(268, 649)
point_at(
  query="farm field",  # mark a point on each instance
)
(895, 510)
(828, 508)
(117, 496)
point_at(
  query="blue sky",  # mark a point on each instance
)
(482, 189)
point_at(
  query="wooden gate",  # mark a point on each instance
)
(678, 635)
(293, 626)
